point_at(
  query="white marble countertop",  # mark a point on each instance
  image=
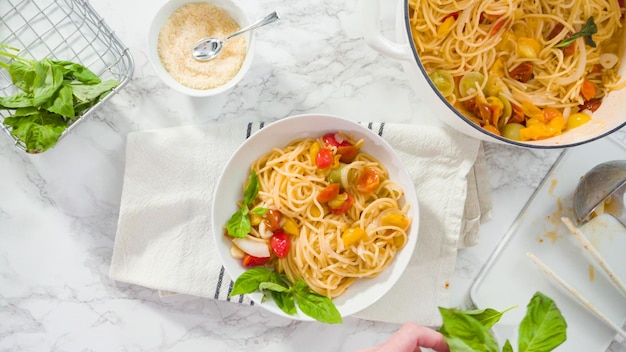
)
(59, 210)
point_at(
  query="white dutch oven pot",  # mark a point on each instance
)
(610, 117)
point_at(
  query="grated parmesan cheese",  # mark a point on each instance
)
(188, 24)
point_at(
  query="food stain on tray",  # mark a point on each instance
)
(552, 225)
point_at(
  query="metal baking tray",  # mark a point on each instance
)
(509, 278)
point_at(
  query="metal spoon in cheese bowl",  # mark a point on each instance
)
(601, 189)
(209, 47)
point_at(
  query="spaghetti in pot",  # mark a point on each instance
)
(522, 57)
(334, 237)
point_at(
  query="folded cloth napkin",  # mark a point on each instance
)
(163, 239)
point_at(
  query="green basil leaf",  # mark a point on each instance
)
(48, 79)
(543, 328)
(74, 71)
(285, 301)
(250, 280)
(318, 307)
(465, 333)
(19, 100)
(507, 346)
(259, 211)
(252, 188)
(590, 28)
(62, 102)
(239, 224)
(27, 111)
(38, 131)
(91, 92)
(272, 286)
(487, 317)
(22, 74)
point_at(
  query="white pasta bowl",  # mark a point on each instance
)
(229, 191)
(160, 19)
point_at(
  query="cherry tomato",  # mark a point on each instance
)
(588, 90)
(454, 15)
(522, 72)
(511, 131)
(250, 260)
(496, 27)
(343, 207)
(493, 129)
(443, 80)
(328, 193)
(272, 219)
(558, 27)
(592, 104)
(348, 153)
(331, 139)
(280, 244)
(551, 113)
(324, 158)
(369, 180)
(468, 83)
(570, 49)
(517, 115)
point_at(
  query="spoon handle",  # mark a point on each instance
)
(262, 22)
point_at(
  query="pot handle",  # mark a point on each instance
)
(370, 15)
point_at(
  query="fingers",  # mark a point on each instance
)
(410, 337)
(371, 349)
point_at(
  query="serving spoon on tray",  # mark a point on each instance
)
(605, 183)
(209, 47)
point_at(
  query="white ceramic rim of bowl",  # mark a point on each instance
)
(164, 13)
(364, 292)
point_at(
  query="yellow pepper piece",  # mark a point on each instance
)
(536, 129)
(532, 111)
(255, 219)
(352, 235)
(445, 26)
(394, 219)
(576, 120)
(336, 161)
(498, 67)
(338, 200)
(291, 227)
(315, 148)
(316, 212)
(507, 42)
(399, 241)
(556, 125)
(528, 47)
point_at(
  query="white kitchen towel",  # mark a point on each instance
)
(164, 242)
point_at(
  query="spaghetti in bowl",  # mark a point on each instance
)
(349, 246)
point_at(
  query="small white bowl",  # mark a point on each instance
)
(228, 190)
(164, 14)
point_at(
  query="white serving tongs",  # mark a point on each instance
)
(584, 242)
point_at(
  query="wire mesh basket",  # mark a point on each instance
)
(69, 30)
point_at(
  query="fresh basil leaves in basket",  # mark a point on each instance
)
(541, 330)
(53, 95)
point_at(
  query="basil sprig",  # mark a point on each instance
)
(587, 31)
(53, 95)
(286, 295)
(542, 329)
(239, 223)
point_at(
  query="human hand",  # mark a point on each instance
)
(410, 338)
